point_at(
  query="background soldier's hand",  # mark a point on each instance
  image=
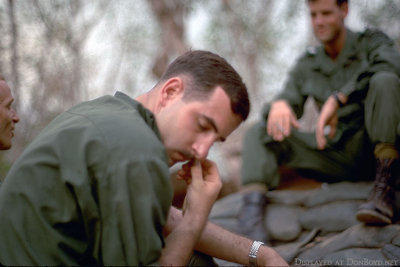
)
(328, 116)
(280, 120)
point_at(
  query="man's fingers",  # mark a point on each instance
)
(196, 171)
(279, 128)
(272, 129)
(286, 126)
(206, 166)
(321, 142)
(185, 173)
(294, 122)
(319, 134)
(210, 170)
(332, 132)
(269, 127)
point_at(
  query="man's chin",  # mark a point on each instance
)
(5, 146)
(321, 36)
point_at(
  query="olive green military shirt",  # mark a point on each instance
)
(317, 75)
(93, 188)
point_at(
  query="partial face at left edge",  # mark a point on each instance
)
(8, 116)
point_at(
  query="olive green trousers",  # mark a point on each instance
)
(349, 158)
(200, 259)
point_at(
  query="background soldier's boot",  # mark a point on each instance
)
(379, 207)
(251, 216)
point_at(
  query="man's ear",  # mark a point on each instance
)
(345, 9)
(171, 90)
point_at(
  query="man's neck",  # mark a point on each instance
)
(149, 100)
(334, 48)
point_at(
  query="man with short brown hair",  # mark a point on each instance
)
(94, 187)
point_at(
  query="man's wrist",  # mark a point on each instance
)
(340, 98)
(279, 102)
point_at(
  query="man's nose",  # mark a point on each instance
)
(201, 147)
(318, 19)
(15, 116)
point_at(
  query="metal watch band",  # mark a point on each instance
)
(253, 252)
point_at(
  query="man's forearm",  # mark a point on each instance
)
(220, 243)
(182, 235)
(223, 244)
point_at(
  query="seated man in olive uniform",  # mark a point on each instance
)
(354, 79)
(94, 186)
(8, 116)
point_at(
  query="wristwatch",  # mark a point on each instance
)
(253, 252)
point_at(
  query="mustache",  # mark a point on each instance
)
(188, 155)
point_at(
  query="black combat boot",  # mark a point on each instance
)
(251, 216)
(379, 207)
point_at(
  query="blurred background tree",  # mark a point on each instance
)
(55, 54)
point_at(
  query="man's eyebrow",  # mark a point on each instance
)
(212, 123)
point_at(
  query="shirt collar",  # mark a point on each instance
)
(349, 53)
(146, 114)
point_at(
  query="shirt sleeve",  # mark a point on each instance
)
(75, 197)
(133, 204)
(378, 53)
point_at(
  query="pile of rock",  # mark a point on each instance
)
(318, 227)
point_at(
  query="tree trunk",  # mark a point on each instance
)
(14, 52)
(170, 15)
